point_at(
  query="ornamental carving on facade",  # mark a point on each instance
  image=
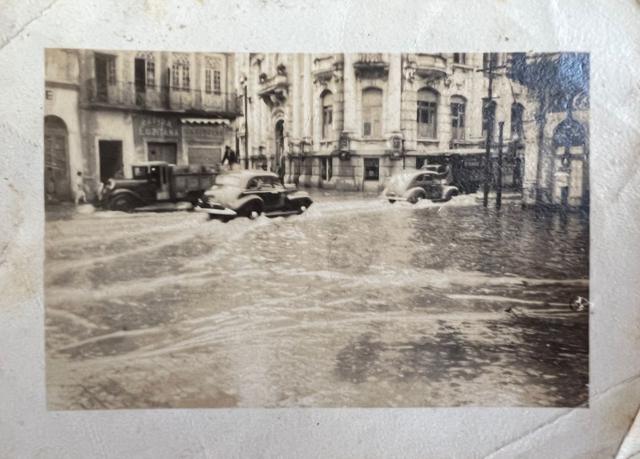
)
(212, 62)
(409, 71)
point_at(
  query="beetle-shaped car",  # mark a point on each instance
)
(432, 182)
(249, 193)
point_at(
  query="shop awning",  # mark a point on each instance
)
(457, 151)
(205, 121)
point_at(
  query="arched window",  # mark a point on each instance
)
(212, 82)
(326, 100)
(458, 109)
(517, 113)
(372, 112)
(180, 75)
(427, 114)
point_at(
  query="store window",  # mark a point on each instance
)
(372, 113)
(371, 168)
(427, 116)
(327, 114)
(458, 108)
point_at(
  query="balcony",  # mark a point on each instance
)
(430, 66)
(274, 90)
(129, 96)
(324, 68)
(370, 65)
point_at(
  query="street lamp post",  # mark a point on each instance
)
(244, 83)
(246, 127)
(489, 129)
(499, 179)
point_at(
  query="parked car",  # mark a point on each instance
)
(432, 182)
(249, 193)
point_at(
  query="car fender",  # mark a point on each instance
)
(244, 200)
(450, 190)
(298, 196)
(413, 191)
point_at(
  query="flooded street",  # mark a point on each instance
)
(355, 303)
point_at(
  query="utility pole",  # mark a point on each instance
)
(499, 184)
(246, 127)
(487, 156)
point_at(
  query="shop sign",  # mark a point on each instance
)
(211, 133)
(148, 126)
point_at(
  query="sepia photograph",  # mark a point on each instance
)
(316, 230)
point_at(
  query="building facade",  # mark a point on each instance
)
(557, 166)
(106, 110)
(332, 120)
(349, 121)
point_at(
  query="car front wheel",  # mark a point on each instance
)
(251, 211)
(123, 203)
(415, 198)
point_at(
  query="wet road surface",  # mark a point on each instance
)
(355, 303)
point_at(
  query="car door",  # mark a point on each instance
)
(271, 192)
(429, 185)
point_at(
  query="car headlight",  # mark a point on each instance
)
(111, 184)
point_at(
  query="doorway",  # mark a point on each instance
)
(163, 151)
(280, 164)
(56, 165)
(110, 152)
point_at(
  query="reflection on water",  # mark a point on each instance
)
(356, 303)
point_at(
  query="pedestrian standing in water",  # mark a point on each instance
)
(230, 157)
(80, 194)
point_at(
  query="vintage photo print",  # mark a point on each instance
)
(316, 230)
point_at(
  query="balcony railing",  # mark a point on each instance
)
(371, 65)
(128, 95)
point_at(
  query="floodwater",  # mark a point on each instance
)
(355, 303)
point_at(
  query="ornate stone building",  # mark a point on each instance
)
(348, 121)
(105, 110)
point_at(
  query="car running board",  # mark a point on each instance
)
(281, 213)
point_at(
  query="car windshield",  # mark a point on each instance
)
(228, 180)
(263, 182)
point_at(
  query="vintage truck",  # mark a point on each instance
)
(157, 185)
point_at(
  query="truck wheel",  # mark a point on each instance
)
(124, 203)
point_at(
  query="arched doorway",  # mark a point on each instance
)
(56, 160)
(279, 159)
(569, 142)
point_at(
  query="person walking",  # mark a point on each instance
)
(230, 157)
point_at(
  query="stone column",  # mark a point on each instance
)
(296, 98)
(307, 90)
(394, 94)
(349, 94)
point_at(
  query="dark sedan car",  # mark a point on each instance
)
(249, 193)
(432, 183)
